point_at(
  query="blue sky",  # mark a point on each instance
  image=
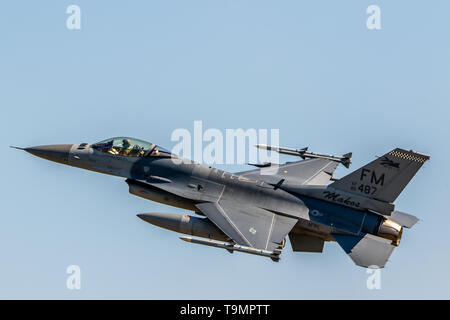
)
(145, 68)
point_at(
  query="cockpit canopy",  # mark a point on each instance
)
(130, 147)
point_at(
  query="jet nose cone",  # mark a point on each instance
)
(56, 152)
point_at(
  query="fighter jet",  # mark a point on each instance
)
(253, 211)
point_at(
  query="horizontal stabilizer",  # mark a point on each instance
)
(404, 219)
(366, 250)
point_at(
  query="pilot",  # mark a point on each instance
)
(126, 147)
(136, 151)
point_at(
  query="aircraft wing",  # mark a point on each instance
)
(247, 225)
(316, 172)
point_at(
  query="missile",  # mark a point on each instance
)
(209, 234)
(346, 159)
(199, 227)
(230, 246)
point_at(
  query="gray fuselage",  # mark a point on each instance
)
(189, 183)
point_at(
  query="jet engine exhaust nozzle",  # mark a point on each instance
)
(391, 230)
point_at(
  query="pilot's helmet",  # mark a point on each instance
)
(126, 143)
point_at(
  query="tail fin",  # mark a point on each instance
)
(384, 178)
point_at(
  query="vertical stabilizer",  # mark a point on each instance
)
(384, 178)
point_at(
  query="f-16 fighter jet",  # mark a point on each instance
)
(253, 211)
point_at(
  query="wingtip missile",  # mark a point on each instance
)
(345, 160)
(292, 152)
